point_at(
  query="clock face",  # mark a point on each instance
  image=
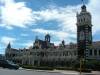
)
(81, 35)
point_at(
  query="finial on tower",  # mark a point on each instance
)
(9, 46)
(83, 2)
(83, 6)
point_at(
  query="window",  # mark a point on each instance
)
(90, 52)
(75, 53)
(66, 53)
(81, 20)
(95, 52)
(99, 52)
(84, 19)
(81, 35)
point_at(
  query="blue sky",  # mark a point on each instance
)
(22, 20)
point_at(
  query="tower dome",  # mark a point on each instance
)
(47, 37)
(83, 8)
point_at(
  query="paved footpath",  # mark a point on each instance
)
(43, 72)
(77, 73)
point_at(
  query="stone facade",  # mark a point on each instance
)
(59, 55)
(42, 56)
(45, 53)
(94, 53)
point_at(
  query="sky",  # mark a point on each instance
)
(22, 20)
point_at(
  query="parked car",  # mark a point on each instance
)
(8, 64)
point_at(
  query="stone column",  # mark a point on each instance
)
(93, 52)
(97, 53)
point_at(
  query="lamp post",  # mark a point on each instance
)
(80, 66)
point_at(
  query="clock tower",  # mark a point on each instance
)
(84, 32)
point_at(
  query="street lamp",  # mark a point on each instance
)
(80, 66)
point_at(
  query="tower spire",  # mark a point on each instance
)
(9, 46)
(83, 8)
(83, 2)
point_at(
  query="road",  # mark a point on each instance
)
(42, 72)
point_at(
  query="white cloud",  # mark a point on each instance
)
(15, 14)
(24, 35)
(56, 43)
(66, 17)
(5, 40)
(12, 15)
(28, 44)
(94, 8)
(60, 34)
